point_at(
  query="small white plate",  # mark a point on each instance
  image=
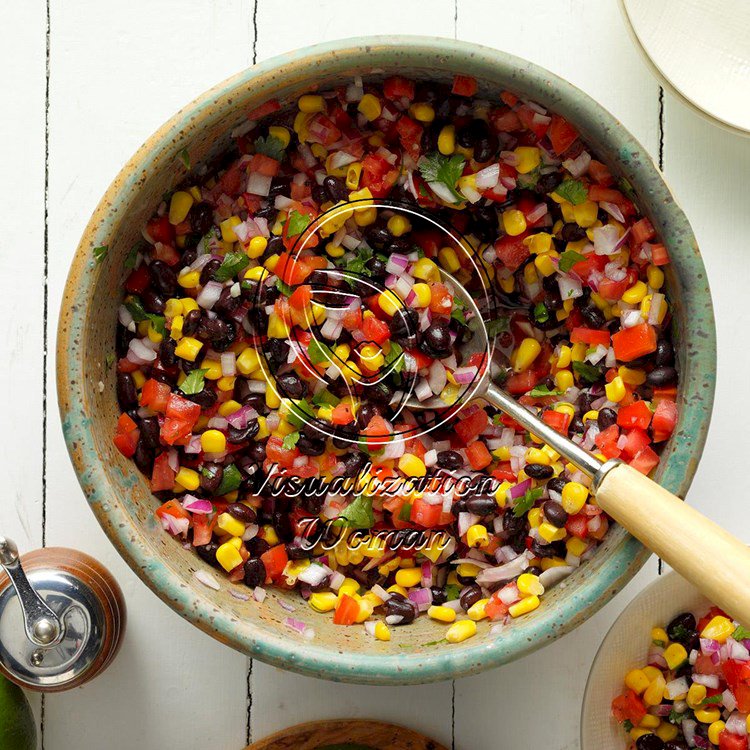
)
(624, 648)
(700, 50)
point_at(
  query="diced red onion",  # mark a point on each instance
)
(676, 687)
(510, 158)
(204, 577)
(198, 505)
(209, 295)
(536, 213)
(175, 526)
(709, 680)
(259, 594)
(139, 353)
(507, 182)
(606, 239)
(578, 166)
(300, 627)
(655, 308)
(736, 723)
(336, 580)
(520, 489)
(465, 375)
(503, 572)
(341, 159)
(570, 287)
(403, 286)
(240, 419)
(509, 594)
(553, 576)
(259, 184)
(331, 329)
(228, 364)
(465, 520)
(737, 651)
(613, 210)
(421, 598)
(615, 271)
(173, 460)
(488, 177)
(422, 390)
(397, 263)
(442, 191)
(313, 574)
(394, 449)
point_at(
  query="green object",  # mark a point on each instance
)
(194, 382)
(17, 725)
(443, 169)
(573, 191)
(119, 496)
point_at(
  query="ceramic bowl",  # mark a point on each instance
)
(624, 648)
(119, 495)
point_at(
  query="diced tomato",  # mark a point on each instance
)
(532, 121)
(203, 529)
(125, 365)
(642, 231)
(522, 382)
(375, 330)
(166, 253)
(272, 105)
(562, 134)
(301, 297)
(292, 270)
(441, 301)
(378, 175)
(612, 290)
(342, 413)
(275, 560)
(645, 461)
(635, 342)
(464, 85)
(180, 408)
(593, 262)
(665, 419)
(557, 420)
(397, 87)
(636, 414)
(352, 319)
(495, 608)
(172, 508)
(504, 120)
(160, 230)
(321, 129)
(277, 454)
(591, 336)
(511, 251)
(578, 525)
(377, 432)
(138, 280)
(737, 675)
(628, 707)
(126, 436)
(265, 165)
(600, 174)
(425, 515)
(635, 441)
(420, 358)
(162, 475)
(233, 180)
(155, 395)
(478, 455)
(125, 424)
(347, 611)
(728, 741)
(606, 442)
(659, 255)
(470, 427)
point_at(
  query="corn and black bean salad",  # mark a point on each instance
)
(694, 690)
(231, 369)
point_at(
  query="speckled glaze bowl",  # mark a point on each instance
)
(119, 495)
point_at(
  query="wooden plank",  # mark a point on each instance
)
(117, 72)
(281, 698)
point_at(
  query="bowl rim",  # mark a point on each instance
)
(626, 556)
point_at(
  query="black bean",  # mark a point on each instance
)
(207, 552)
(486, 148)
(353, 462)
(291, 385)
(163, 278)
(649, 742)
(571, 232)
(664, 354)
(555, 513)
(280, 185)
(205, 398)
(681, 628)
(378, 236)
(335, 188)
(297, 551)
(345, 436)
(190, 322)
(282, 525)
(211, 475)
(539, 471)
(512, 524)
(127, 396)
(576, 426)
(380, 393)
(469, 134)
(402, 607)
(241, 434)
(208, 271)
(547, 550)
(201, 217)
(470, 596)
(123, 338)
(556, 484)
(255, 572)
(593, 316)
(365, 414)
(227, 305)
(149, 427)
(153, 302)
(438, 595)
(257, 546)
(376, 267)
(449, 460)
(311, 446)
(218, 332)
(436, 340)
(548, 182)
(167, 356)
(662, 376)
(482, 506)
(276, 351)
(144, 457)
(404, 324)
(241, 512)
(607, 417)
(675, 745)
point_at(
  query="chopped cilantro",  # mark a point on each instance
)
(285, 289)
(109, 360)
(405, 513)
(452, 591)
(232, 264)
(100, 253)
(325, 397)
(358, 514)
(540, 391)
(573, 191)
(659, 643)
(568, 259)
(158, 323)
(675, 717)
(184, 157)
(713, 699)
(541, 313)
(588, 373)
(290, 441)
(270, 146)
(741, 634)
(627, 189)
(230, 480)
(359, 263)
(300, 412)
(319, 352)
(458, 311)
(526, 503)
(529, 180)
(395, 357)
(193, 383)
(132, 256)
(499, 325)
(627, 725)
(679, 633)
(445, 170)
(297, 223)
(134, 306)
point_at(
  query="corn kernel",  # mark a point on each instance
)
(229, 407)
(398, 225)
(584, 214)
(447, 140)
(529, 158)
(615, 391)
(714, 730)
(426, 270)
(514, 222)
(369, 106)
(576, 546)
(188, 478)
(256, 247)
(180, 206)
(213, 441)
(382, 633)
(189, 279)
(650, 721)
(353, 175)
(449, 259)
(544, 263)
(635, 294)
(528, 350)
(631, 376)
(311, 103)
(637, 681)
(574, 496)
(188, 348)
(535, 517)
(564, 380)
(529, 585)
(212, 369)
(273, 401)
(666, 732)
(467, 570)
(227, 229)
(719, 629)
(696, 695)
(408, 577)
(539, 243)
(422, 295)
(675, 655)
(323, 601)
(228, 556)
(259, 274)
(651, 672)
(638, 732)
(477, 536)
(442, 614)
(230, 525)
(526, 605)
(551, 533)
(654, 693)
(707, 715)
(655, 277)
(646, 308)
(564, 358)
(461, 631)
(389, 302)
(278, 328)
(422, 112)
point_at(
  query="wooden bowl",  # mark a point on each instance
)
(119, 495)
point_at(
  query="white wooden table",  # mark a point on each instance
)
(84, 82)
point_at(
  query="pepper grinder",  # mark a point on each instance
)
(62, 617)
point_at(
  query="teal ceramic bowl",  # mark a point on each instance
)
(118, 494)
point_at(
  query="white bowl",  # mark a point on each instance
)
(624, 648)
